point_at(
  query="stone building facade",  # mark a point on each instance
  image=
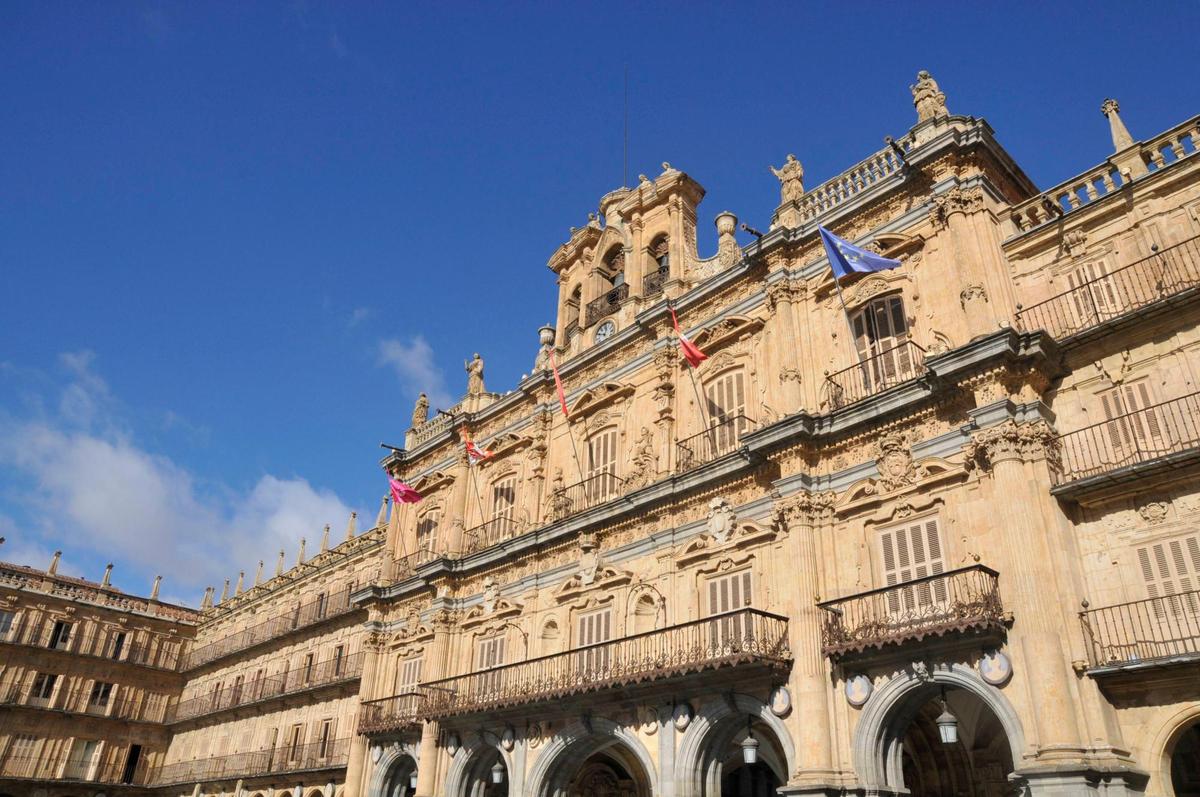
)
(931, 531)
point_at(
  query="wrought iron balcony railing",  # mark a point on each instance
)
(65, 766)
(485, 535)
(875, 374)
(745, 637)
(121, 702)
(967, 599)
(1120, 293)
(323, 673)
(607, 304)
(407, 565)
(1155, 433)
(324, 608)
(390, 713)
(652, 285)
(1150, 631)
(592, 491)
(316, 756)
(99, 644)
(722, 436)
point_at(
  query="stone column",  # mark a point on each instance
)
(783, 375)
(436, 660)
(799, 515)
(373, 651)
(635, 260)
(950, 213)
(456, 509)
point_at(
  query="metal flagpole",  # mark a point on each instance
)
(708, 426)
(566, 415)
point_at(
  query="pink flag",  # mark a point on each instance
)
(562, 398)
(402, 493)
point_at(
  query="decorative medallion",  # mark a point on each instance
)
(781, 702)
(534, 734)
(376, 753)
(453, 743)
(858, 690)
(508, 738)
(647, 719)
(995, 668)
(682, 716)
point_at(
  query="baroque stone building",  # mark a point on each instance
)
(931, 531)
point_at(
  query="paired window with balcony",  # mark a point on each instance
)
(909, 552)
(489, 654)
(726, 399)
(60, 635)
(602, 466)
(1094, 297)
(1132, 424)
(594, 628)
(427, 529)
(1171, 570)
(98, 699)
(880, 332)
(725, 594)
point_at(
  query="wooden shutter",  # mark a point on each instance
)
(409, 674)
(594, 628)
(1133, 425)
(602, 462)
(727, 594)
(911, 552)
(1093, 294)
(504, 496)
(427, 528)
(726, 398)
(1170, 568)
(490, 656)
(879, 329)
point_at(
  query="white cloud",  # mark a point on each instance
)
(359, 315)
(413, 364)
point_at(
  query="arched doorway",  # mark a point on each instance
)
(597, 759)
(605, 775)
(1185, 763)
(754, 765)
(397, 782)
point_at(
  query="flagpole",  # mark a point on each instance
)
(563, 403)
(708, 426)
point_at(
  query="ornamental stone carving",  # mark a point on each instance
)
(643, 464)
(928, 98)
(956, 200)
(474, 369)
(420, 412)
(1011, 441)
(895, 463)
(1154, 512)
(804, 507)
(721, 519)
(970, 293)
(791, 180)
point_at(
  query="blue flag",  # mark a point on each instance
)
(845, 258)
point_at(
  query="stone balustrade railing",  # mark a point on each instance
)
(855, 180)
(58, 586)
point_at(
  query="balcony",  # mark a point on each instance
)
(743, 638)
(1161, 436)
(136, 707)
(960, 601)
(1151, 632)
(887, 369)
(325, 673)
(390, 714)
(406, 566)
(652, 285)
(585, 494)
(722, 437)
(98, 644)
(305, 615)
(329, 754)
(485, 535)
(607, 304)
(67, 767)
(1110, 297)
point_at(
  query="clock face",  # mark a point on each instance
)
(604, 331)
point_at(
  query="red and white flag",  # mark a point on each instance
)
(691, 352)
(476, 453)
(402, 493)
(562, 398)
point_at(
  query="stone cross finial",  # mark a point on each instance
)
(420, 411)
(381, 518)
(53, 568)
(154, 588)
(928, 99)
(206, 601)
(300, 555)
(1120, 134)
(279, 564)
(107, 575)
(258, 573)
(225, 592)
(325, 539)
(352, 526)
(241, 583)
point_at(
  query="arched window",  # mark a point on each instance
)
(614, 266)
(660, 267)
(572, 312)
(645, 614)
(602, 466)
(880, 334)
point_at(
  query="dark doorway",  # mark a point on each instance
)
(131, 763)
(1185, 763)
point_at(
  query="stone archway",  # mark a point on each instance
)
(470, 773)
(600, 758)
(391, 774)
(710, 756)
(897, 745)
(1183, 761)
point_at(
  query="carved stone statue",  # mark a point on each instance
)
(721, 519)
(928, 99)
(420, 411)
(474, 370)
(643, 465)
(791, 180)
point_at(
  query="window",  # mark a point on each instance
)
(571, 314)
(21, 760)
(879, 329)
(1171, 570)
(6, 624)
(294, 740)
(504, 496)
(60, 636)
(408, 674)
(726, 397)
(235, 693)
(910, 552)
(324, 738)
(1133, 426)
(1094, 295)
(427, 527)
(489, 655)
(118, 645)
(602, 466)
(321, 606)
(308, 667)
(98, 700)
(729, 593)
(339, 656)
(82, 761)
(594, 628)
(43, 688)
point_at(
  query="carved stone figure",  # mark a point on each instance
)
(791, 180)
(420, 411)
(490, 593)
(928, 99)
(474, 370)
(643, 465)
(721, 519)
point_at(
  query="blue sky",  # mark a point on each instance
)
(236, 239)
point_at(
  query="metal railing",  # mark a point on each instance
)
(390, 713)
(652, 284)
(333, 604)
(323, 673)
(407, 565)
(723, 436)
(136, 707)
(163, 654)
(1145, 631)
(875, 374)
(1116, 294)
(592, 491)
(742, 637)
(1145, 435)
(609, 303)
(67, 766)
(955, 601)
(330, 754)
(485, 535)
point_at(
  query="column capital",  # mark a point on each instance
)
(956, 200)
(1011, 441)
(803, 508)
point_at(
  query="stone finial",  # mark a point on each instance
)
(225, 592)
(240, 588)
(352, 526)
(154, 588)
(300, 555)
(207, 601)
(928, 99)
(279, 564)
(107, 581)
(381, 518)
(53, 568)
(325, 539)
(420, 411)
(1120, 134)
(258, 573)
(728, 251)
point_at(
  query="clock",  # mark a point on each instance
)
(605, 331)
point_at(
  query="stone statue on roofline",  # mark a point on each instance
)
(928, 99)
(791, 180)
(474, 368)
(420, 411)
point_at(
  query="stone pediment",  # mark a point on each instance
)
(726, 331)
(914, 477)
(583, 241)
(479, 615)
(429, 482)
(605, 578)
(746, 534)
(863, 290)
(596, 398)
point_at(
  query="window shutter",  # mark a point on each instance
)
(911, 552)
(1170, 568)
